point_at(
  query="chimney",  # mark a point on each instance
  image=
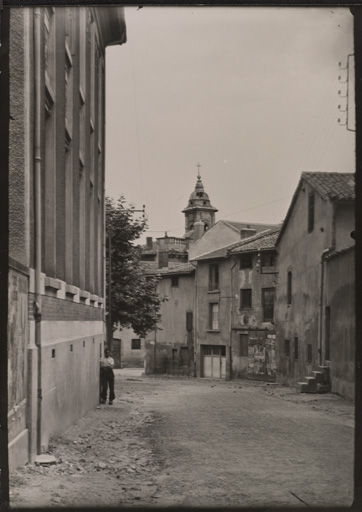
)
(199, 230)
(149, 243)
(246, 233)
(162, 259)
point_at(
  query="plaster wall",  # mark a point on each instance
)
(130, 358)
(340, 285)
(344, 225)
(205, 335)
(300, 253)
(70, 373)
(214, 238)
(172, 332)
(256, 281)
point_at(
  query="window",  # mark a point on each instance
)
(289, 288)
(287, 347)
(174, 281)
(268, 296)
(310, 212)
(214, 316)
(268, 259)
(136, 344)
(245, 298)
(296, 348)
(246, 261)
(309, 353)
(244, 345)
(213, 277)
(189, 320)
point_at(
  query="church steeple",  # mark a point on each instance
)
(199, 209)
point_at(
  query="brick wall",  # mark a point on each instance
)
(63, 309)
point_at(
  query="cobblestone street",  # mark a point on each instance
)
(199, 443)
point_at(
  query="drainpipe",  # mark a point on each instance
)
(320, 337)
(231, 317)
(37, 212)
(195, 318)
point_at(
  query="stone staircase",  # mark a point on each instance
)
(318, 383)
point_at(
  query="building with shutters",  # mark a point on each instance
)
(56, 189)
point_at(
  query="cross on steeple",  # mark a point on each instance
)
(198, 170)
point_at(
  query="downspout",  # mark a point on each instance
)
(37, 213)
(195, 319)
(231, 317)
(320, 337)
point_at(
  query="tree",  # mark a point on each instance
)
(134, 299)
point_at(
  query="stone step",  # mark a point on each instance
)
(323, 388)
(326, 373)
(302, 387)
(312, 384)
(319, 377)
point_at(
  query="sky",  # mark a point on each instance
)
(250, 93)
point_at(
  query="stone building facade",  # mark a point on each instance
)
(56, 190)
(319, 224)
(234, 309)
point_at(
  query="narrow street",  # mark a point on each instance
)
(199, 443)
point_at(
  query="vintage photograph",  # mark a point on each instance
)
(181, 287)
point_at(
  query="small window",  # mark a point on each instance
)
(214, 316)
(71, 348)
(246, 261)
(245, 298)
(296, 348)
(213, 277)
(244, 345)
(310, 212)
(53, 353)
(136, 344)
(287, 347)
(289, 288)
(189, 321)
(174, 281)
(268, 260)
(309, 353)
(268, 296)
(83, 343)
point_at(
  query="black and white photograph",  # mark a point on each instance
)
(181, 292)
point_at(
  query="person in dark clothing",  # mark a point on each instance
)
(107, 377)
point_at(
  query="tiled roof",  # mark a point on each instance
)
(259, 242)
(151, 268)
(217, 253)
(251, 225)
(332, 185)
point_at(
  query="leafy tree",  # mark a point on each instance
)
(134, 299)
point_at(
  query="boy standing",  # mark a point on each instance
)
(107, 377)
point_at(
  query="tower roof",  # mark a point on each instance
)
(199, 199)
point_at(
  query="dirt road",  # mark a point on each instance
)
(199, 443)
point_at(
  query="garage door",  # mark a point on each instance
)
(214, 361)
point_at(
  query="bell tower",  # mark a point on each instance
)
(198, 210)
